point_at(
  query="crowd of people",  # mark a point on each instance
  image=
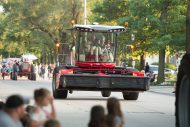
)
(45, 70)
(41, 70)
(17, 112)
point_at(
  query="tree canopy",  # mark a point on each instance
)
(29, 26)
(35, 26)
(158, 25)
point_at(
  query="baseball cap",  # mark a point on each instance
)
(15, 101)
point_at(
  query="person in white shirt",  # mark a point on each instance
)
(42, 99)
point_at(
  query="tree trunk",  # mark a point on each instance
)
(43, 55)
(162, 52)
(49, 57)
(167, 58)
(188, 29)
(161, 76)
(142, 61)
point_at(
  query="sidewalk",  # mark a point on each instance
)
(167, 90)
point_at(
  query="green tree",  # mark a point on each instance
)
(170, 15)
(46, 22)
(157, 24)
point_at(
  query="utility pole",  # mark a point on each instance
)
(188, 29)
(85, 17)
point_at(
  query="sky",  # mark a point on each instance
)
(1, 9)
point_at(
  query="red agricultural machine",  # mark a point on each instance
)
(24, 69)
(95, 66)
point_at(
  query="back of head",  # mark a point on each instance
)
(14, 102)
(2, 105)
(110, 120)
(113, 107)
(97, 117)
(52, 123)
(30, 109)
(40, 93)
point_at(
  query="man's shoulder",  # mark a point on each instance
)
(6, 120)
(2, 113)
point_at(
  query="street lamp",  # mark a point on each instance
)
(57, 45)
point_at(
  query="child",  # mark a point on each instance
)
(52, 123)
(39, 115)
(98, 118)
(114, 117)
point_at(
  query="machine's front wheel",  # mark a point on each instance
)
(130, 95)
(58, 94)
(106, 93)
(183, 103)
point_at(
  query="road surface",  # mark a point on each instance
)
(154, 108)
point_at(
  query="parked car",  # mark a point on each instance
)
(154, 70)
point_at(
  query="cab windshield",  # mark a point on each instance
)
(96, 47)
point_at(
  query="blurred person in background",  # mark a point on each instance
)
(43, 71)
(49, 71)
(4, 71)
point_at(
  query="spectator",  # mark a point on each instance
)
(147, 68)
(4, 71)
(115, 116)
(43, 70)
(13, 112)
(26, 120)
(2, 105)
(98, 118)
(52, 123)
(42, 99)
(15, 67)
(49, 71)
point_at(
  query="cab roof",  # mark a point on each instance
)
(99, 28)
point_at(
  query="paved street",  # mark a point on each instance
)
(154, 108)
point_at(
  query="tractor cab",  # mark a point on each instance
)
(95, 66)
(96, 45)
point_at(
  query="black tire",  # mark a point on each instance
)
(14, 76)
(58, 94)
(106, 93)
(183, 103)
(130, 95)
(29, 77)
(33, 77)
(32, 69)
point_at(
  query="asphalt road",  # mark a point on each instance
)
(154, 108)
